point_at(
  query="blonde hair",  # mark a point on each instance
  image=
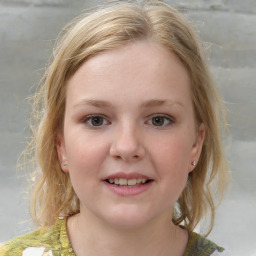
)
(108, 28)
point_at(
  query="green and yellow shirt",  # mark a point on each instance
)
(53, 241)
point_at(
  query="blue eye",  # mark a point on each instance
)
(95, 120)
(160, 121)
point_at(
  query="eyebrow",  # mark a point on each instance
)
(160, 102)
(95, 103)
(146, 104)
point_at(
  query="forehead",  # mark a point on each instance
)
(142, 66)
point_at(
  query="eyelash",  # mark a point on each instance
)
(166, 118)
(170, 120)
(89, 118)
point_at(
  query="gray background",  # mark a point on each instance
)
(27, 32)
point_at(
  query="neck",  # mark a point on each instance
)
(90, 236)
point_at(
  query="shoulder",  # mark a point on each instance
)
(200, 246)
(35, 243)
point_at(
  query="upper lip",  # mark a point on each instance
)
(127, 176)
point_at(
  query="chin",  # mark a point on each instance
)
(127, 217)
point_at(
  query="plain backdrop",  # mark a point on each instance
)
(28, 29)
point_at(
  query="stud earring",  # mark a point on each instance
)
(193, 163)
(64, 164)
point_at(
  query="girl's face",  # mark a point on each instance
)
(130, 134)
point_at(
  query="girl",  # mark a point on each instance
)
(126, 139)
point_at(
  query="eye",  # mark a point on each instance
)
(95, 120)
(160, 120)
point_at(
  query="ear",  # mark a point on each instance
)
(197, 147)
(61, 150)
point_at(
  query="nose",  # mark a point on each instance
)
(127, 144)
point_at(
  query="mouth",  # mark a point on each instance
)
(128, 182)
(132, 184)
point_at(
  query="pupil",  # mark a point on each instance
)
(158, 121)
(97, 121)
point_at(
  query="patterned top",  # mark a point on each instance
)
(53, 241)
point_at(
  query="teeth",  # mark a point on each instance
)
(143, 181)
(132, 182)
(122, 181)
(125, 182)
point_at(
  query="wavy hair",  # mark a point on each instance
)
(103, 29)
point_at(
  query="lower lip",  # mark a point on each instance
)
(128, 191)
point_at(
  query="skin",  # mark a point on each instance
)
(146, 125)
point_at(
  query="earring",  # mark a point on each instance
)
(193, 163)
(64, 163)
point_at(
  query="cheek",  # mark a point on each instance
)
(171, 170)
(171, 160)
(174, 152)
(85, 154)
(85, 158)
